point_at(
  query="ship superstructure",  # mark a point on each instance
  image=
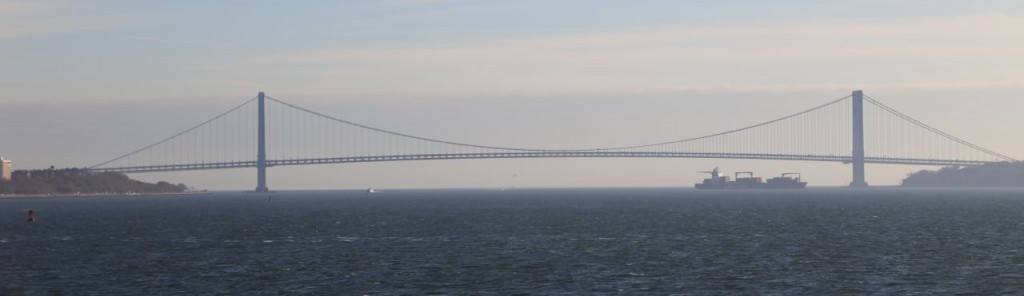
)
(747, 180)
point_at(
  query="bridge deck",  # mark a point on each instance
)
(538, 154)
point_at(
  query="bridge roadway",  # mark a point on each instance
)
(535, 154)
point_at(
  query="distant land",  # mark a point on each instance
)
(1003, 174)
(80, 181)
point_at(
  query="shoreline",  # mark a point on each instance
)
(72, 195)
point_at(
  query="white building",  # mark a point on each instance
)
(5, 168)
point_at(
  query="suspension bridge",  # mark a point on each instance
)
(265, 132)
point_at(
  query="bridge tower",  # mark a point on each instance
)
(261, 148)
(858, 140)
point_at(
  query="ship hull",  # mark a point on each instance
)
(799, 185)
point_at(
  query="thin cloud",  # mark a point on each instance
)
(833, 40)
(699, 59)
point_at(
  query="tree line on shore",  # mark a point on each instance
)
(1002, 174)
(73, 180)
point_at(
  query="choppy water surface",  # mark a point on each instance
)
(643, 241)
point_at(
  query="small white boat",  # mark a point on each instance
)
(370, 190)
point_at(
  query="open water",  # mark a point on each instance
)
(583, 241)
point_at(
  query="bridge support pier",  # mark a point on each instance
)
(858, 140)
(261, 154)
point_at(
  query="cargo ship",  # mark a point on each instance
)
(746, 180)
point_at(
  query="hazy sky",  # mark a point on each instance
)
(84, 81)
